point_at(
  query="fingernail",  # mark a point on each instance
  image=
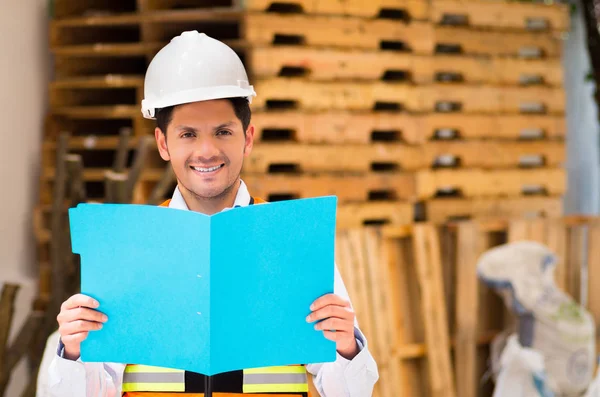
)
(100, 325)
(317, 327)
(95, 303)
(308, 318)
(104, 318)
(312, 307)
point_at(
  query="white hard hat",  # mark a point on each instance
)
(193, 67)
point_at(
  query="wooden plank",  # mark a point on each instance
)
(467, 303)
(593, 274)
(359, 214)
(97, 174)
(329, 64)
(575, 239)
(312, 158)
(428, 263)
(474, 126)
(441, 210)
(489, 183)
(495, 154)
(557, 242)
(309, 95)
(493, 70)
(477, 42)
(270, 157)
(348, 188)
(502, 15)
(358, 241)
(489, 99)
(366, 127)
(69, 8)
(338, 127)
(416, 9)
(345, 32)
(408, 323)
(95, 91)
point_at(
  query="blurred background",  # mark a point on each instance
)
(445, 128)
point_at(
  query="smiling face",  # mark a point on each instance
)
(206, 145)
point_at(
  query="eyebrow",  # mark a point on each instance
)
(229, 124)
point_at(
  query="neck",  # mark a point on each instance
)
(210, 205)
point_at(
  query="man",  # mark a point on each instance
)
(197, 90)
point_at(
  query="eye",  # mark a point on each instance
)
(187, 135)
(224, 132)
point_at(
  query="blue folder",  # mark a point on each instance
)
(207, 294)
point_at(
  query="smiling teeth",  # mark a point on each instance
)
(211, 169)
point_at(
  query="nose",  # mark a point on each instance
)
(206, 148)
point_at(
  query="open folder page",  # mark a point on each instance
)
(207, 294)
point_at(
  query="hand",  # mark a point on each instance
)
(76, 318)
(337, 323)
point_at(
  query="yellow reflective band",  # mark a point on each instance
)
(286, 369)
(277, 388)
(129, 387)
(146, 368)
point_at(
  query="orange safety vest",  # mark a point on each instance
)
(215, 394)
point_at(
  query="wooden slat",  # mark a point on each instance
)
(308, 95)
(477, 42)
(366, 127)
(481, 183)
(339, 127)
(428, 263)
(309, 158)
(338, 31)
(503, 15)
(497, 154)
(348, 188)
(467, 304)
(416, 9)
(330, 64)
(441, 210)
(575, 240)
(69, 8)
(556, 240)
(473, 126)
(359, 214)
(593, 275)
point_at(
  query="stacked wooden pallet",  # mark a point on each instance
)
(382, 105)
(517, 46)
(428, 318)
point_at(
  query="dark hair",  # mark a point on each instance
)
(241, 107)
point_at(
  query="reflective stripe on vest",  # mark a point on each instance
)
(289, 378)
(283, 379)
(147, 378)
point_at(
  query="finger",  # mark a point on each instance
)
(329, 299)
(335, 336)
(81, 313)
(75, 338)
(78, 326)
(79, 300)
(331, 311)
(334, 324)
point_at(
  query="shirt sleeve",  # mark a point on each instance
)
(343, 377)
(68, 378)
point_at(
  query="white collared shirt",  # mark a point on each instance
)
(341, 378)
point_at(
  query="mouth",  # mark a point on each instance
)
(208, 170)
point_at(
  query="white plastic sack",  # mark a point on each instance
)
(522, 372)
(594, 389)
(550, 322)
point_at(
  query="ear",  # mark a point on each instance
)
(161, 143)
(249, 140)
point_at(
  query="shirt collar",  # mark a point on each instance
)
(242, 198)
